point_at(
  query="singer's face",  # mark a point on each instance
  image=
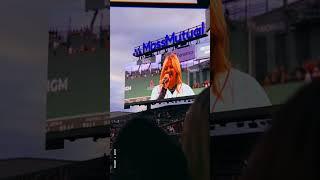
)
(171, 73)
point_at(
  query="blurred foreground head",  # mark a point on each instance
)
(219, 38)
(290, 148)
(145, 152)
(196, 137)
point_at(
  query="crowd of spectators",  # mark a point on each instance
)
(77, 40)
(204, 84)
(175, 127)
(169, 118)
(307, 72)
(145, 73)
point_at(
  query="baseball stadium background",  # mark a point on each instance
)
(77, 77)
(277, 42)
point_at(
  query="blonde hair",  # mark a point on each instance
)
(219, 45)
(176, 65)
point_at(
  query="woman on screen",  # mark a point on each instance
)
(170, 84)
(232, 89)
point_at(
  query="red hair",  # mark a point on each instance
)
(219, 51)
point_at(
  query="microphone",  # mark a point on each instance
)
(165, 79)
(163, 91)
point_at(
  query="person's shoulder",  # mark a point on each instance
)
(184, 85)
(155, 92)
(243, 78)
(187, 88)
(248, 86)
(156, 87)
(235, 73)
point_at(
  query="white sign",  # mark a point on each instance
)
(58, 85)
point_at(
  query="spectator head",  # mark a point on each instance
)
(315, 70)
(275, 77)
(290, 148)
(266, 81)
(145, 151)
(283, 76)
(308, 77)
(309, 67)
(299, 74)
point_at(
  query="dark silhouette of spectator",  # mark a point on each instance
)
(226, 13)
(227, 17)
(275, 76)
(267, 81)
(308, 77)
(315, 73)
(284, 77)
(299, 74)
(145, 152)
(195, 137)
(290, 148)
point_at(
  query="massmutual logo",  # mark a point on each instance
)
(168, 40)
(58, 85)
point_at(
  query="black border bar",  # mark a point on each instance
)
(201, 4)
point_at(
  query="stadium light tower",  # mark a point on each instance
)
(95, 6)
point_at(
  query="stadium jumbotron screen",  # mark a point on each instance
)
(174, 66)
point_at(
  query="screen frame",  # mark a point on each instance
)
(154, 102)
(201, 4)
(242, 115)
